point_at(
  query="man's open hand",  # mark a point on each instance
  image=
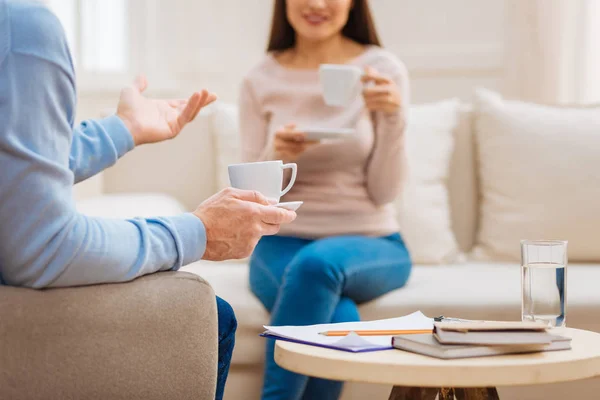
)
(154, 120)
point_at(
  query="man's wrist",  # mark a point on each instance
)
(192, 237)
(132, 127)
(118, 132)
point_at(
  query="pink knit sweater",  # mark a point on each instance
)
(346, 185)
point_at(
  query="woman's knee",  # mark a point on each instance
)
(315, 264)
(226, 318)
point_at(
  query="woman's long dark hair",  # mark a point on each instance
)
(360, 26)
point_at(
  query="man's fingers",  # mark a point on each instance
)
(205, 99)
(140, 83)
(252, 196)
(210, 99)
(189, 110)
(270, 230)
(276, 216)
(201, 103)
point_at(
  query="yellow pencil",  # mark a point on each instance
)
(377, 333)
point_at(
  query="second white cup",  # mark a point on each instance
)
(265, 177)
(340, 83)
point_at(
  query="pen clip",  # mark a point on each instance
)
(441, 318)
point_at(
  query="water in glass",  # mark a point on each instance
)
(544, 292)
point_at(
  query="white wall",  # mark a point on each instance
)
(450, 47)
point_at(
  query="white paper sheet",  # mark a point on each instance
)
(352, 342)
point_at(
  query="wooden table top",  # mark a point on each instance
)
(400, 368)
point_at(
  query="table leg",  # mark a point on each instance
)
(419, 393)
(413, 393)
(446, 394)
(477, 394)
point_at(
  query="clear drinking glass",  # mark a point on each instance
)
(544, 281)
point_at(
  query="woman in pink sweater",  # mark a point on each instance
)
(344, 248)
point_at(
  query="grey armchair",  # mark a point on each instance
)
(152, 338)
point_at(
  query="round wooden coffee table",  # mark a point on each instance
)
(419, 377)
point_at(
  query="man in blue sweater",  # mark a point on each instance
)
(44, 242)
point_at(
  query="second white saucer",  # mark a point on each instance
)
(327, 133)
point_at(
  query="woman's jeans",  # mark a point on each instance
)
(306, 282)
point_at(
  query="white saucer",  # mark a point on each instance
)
(290, 205)
(327, 133)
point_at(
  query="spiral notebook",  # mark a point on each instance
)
(352, 343)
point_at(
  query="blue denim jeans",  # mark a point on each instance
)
(305, 282)
(227, 326)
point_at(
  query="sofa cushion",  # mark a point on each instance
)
(473, 290)
(539, 174)
(152, 338)
(424, 208)
(130, 205)
(231, 279)
(225, 128)
(462, 182)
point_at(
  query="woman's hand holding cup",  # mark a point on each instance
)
(289, 143)
(383, 94)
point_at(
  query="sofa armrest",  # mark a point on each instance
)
(152, 338)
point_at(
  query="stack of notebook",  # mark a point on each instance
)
(476, 339)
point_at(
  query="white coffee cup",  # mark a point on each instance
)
(340, 83)
(264, 177)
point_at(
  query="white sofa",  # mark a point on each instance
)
(190, 168)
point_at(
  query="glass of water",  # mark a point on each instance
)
(544, 281)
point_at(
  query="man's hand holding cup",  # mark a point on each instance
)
(237, 217)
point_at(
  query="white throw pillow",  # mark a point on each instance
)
(539, 172)
(424, 207)
(423, 210)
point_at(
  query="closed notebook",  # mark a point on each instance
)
(477, 326)
(493, 333)
(428, 345)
